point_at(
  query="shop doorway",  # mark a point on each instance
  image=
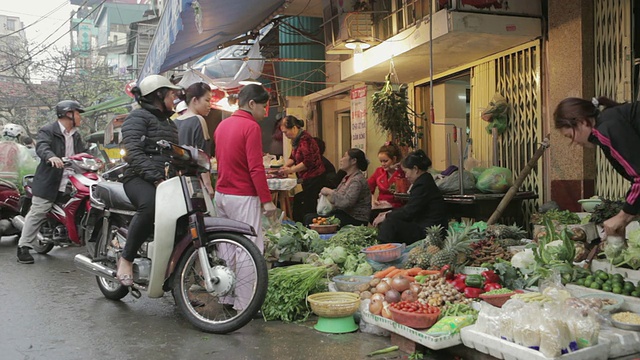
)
(343, 126)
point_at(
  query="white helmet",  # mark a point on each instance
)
(182, 106)
(154, 82)
(14, 131)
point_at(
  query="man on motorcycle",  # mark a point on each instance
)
(54, 141)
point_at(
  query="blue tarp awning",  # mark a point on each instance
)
(177, 39)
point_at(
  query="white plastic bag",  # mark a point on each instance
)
(324, 206)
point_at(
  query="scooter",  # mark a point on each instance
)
(9, 207)
(71, 219)
(218, 277)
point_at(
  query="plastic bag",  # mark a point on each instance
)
(16, 163)
(496, 114)
(324, 206)
(450, 325)
(495, 180)
(451, 184)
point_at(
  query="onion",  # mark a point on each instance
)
(375, 307)
(386, 313)
(415, 287)
(377, 296)
(409, 295)
(400, 283)
(392, 296)
(383, 287)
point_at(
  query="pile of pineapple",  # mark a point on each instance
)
(457, 248)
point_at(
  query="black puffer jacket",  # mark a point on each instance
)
(145, 160)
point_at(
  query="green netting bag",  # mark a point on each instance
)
(495, 180)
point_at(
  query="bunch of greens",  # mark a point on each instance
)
(354, 238)
(606, 210)
(288, 290)
(564, 217)
(290, 240)
(631, 255)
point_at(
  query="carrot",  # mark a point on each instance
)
(414, 271)
(394, 273)
(429, 272)
(410, 278)
(383, 273)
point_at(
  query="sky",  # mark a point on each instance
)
(29, 11)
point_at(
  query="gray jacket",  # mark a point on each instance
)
(353, 196)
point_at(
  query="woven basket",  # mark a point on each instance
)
(334, 304)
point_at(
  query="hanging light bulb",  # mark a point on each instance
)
(358, 59)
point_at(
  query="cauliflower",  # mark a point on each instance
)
(524, 260)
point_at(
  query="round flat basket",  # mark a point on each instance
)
(324, 229)
(334, 304)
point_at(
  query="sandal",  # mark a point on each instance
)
(124, 279)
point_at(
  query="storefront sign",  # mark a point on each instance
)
(359, 118)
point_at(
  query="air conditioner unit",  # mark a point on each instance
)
(348, 27)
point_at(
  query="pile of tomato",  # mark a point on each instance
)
(415, 307)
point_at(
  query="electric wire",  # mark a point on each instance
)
(30, 57)
(35, 22)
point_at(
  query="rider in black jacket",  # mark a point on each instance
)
(55, 140)
(150, 123)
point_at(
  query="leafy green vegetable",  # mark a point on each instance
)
(354, 238)
(509, 276)
(565, 217)
(290, 240)
(606, 210)
(288, 290)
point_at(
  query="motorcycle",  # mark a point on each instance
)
(218, 277)
(71, 219)
(9, 207)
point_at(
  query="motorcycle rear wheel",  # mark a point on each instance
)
(206, 311)
(111, 289)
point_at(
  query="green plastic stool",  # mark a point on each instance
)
(338, 325)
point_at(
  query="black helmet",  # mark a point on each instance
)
(67, 105)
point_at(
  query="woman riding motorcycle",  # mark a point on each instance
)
(143, 127)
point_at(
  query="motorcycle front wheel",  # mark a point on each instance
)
(105, 255)
(243, 279)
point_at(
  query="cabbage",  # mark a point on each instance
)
(338, 254)
(524, 260)
(364, 269)
(634, 238)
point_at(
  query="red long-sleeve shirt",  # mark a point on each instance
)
(238, 143)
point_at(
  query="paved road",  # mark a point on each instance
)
(50, 310)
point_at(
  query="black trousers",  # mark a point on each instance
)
(143, 196)
(306, 201)
(345, 219)
(400, 231)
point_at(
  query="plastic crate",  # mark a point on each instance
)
(507, 350)
(418, 336)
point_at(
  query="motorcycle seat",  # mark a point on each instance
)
(112, 194)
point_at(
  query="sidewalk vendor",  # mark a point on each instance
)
(616, 130)
(425, 207)
(306, 162)
(351, 200)
(385, 176)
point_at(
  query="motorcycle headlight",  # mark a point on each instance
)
(89, 164)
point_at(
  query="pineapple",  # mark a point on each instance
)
(432, 249)
(418, 257)
(456, 247)
(434, 236)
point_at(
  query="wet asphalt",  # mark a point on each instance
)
(50, 310)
